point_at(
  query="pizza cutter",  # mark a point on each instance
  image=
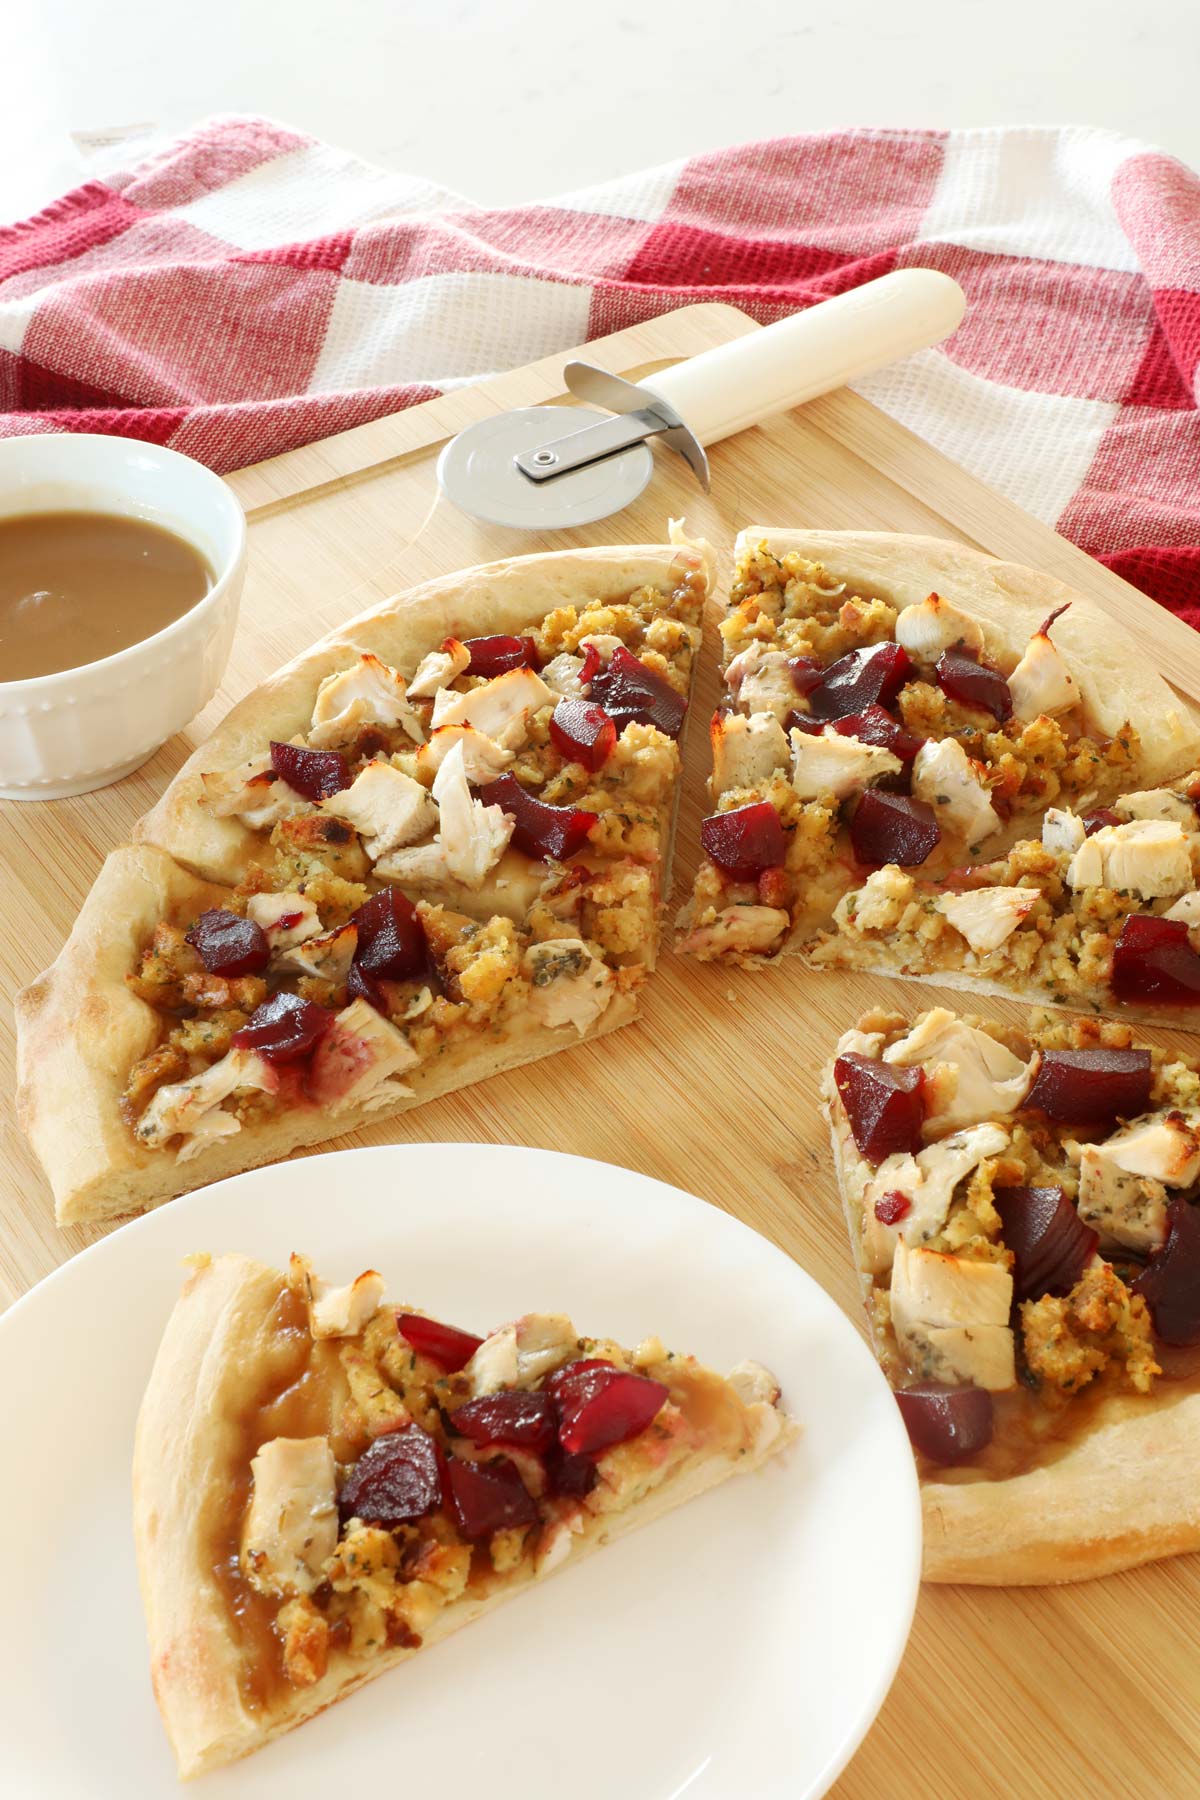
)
(550, 467)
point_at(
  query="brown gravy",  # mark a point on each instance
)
(79, 586)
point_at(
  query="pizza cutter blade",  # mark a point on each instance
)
(547, 468)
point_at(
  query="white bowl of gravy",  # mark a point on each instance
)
(121, 568)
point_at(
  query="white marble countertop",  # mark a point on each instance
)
(510, 100)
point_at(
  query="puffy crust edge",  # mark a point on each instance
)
(1011, 601)
(213, 1349)
(1124, 1492)
(504, 596)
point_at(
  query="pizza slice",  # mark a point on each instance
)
(325, 1484)
(1022, 1209)
(434, 847)
(905, 705)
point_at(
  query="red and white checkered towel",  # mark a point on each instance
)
(247, 289)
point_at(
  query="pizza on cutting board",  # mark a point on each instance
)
(434, 847)
(933, 764)
(1020, 1204)
(324, 1484)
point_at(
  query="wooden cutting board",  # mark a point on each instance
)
(1055, 1692)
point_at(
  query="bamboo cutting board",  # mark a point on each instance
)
(1052, 1693)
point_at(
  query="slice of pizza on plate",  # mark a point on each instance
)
(905, 704)
(434, 847)
(1022, 1210)
(325, 1484)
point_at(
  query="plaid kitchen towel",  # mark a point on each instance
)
(246, 289)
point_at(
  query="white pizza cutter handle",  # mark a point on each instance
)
(735, 385)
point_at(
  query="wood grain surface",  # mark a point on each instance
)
(1061, 1693)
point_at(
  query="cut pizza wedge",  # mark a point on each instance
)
(1022, 1209)
(900, 703)
(325, 1484)
(434, 847)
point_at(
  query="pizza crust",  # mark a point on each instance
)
(211, 1364)
(1011, 601)
(81, 1031)
(499, 597)
(1125, 1491)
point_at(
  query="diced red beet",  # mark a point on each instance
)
(806, 673)
(1103, 815)
(744, 841)
(444, 1345)
(946, 1424)
(583, 733)
(541, 830)
(1050, 1243)
(860, 679)
(229, 944)
(391, 938)
(488, 1496)
(964, 678)
(1092, 1087)
(397, 1479)
(1153, 961)
(1170, 1283)
(514, 1416)
(314, 773)
(569, 1372)
(628, 689)
(875, 725)
(592, 660)
(572, 1476)
(497, 655)
(891, 1207)
(284, 1028)
(603, 1405)
(893, 828)
(885, 1106)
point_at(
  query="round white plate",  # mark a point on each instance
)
(740, 1647)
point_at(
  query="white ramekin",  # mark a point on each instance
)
(82, 728)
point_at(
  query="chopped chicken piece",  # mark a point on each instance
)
(968, 1075)
(287, 919)
(292, 1522)
(355, 1062)
(387, 808)
(950, 1315)
(945, 777)
(439, 669)
(935, 625)
(1062, 832)
(928, 1181)
(754, 1384)
(518, 1355)
(987, 917)
(1187, 908)
(482, 758)
(571, 986)
(367, 693)
(1041, 683)
(753, 930)
(341, 1312)
(1123, 1182)
(834, 765)
(326, 958)
(761, 681)
(1157, 803)
(499, 708)
(192, 1107)
(562, 673)
(1148, 857)
(471, 838)
(746, 750)
(253, 793)
(878, 903)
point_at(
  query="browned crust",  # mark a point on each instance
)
(1125, 1491)
(208, 1371)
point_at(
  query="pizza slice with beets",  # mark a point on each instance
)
(433, 848)
(1024, 1213)
(933, 764)
(325, 1484)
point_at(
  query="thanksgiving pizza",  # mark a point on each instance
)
(325, 1483)
(1022, 1209)
(933, 764)
(433, 847)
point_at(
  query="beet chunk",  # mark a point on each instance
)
(397, 1479)
(946, 1424)
(497, 655)
(284, 1028)
(1050, 1243)
(488, 1496)
(884, 1103)
(1170, 1283)
(229, 944)
(314, 773)
(1153, 960)
(603, 1405)
(1092, 1087)
(859, 679)
(744, 841)
(583, 733)
(514, 1416)
(629, 690)
(963, 677)
(893, 828)
(541, 830)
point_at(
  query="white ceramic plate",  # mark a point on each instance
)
(739, 1648)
